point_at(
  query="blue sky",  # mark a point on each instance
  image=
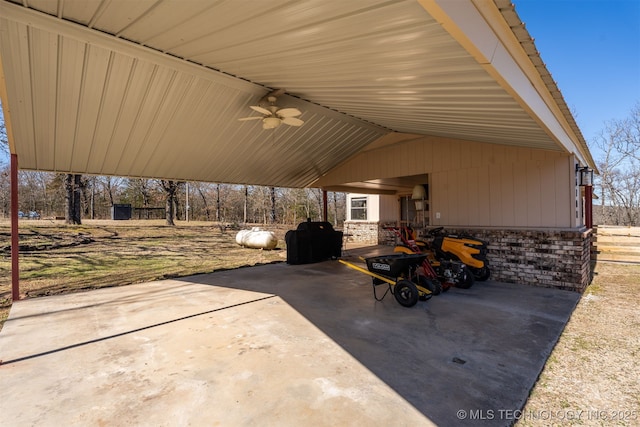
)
(592, 50)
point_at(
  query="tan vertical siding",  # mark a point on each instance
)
(520, 197)
(388, 208)
(476, 184)
(495, 194)
(507, 191)
(565, 185)
(69, 77)
(534, 194)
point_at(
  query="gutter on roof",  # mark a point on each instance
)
(494, 35)
(508, 11)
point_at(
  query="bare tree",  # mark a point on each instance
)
(626, 134)
(272, 217)
(170, 188)
(246, 203)
(4, 140)
(335, 209)
(619, 179)
(72, 199)
(5, 172)
(5, 189)
(218, 214)
(110, 186)
(207, 210)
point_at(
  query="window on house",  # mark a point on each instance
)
(359, 208)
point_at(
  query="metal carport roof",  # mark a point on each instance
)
(155, 88)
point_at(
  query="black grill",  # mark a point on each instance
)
(313, 242)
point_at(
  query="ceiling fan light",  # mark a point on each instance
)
(270, 122)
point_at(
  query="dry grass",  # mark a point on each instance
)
(56, 258)
(592, 377)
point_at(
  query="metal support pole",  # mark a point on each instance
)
(15, 248)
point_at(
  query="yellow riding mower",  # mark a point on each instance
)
(447, 272)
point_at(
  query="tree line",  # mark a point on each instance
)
(75, 197)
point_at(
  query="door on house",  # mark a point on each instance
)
(413, 211)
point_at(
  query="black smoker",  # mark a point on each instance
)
(313, 242)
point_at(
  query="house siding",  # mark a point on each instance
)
(477, 184)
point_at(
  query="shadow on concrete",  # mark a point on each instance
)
(461, 358)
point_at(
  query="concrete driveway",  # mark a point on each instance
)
(276, 345)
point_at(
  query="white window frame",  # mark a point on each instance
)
(364, 208)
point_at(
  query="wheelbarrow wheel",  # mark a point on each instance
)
(406, 293)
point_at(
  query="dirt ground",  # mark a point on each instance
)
(57, 258)
(592, 377)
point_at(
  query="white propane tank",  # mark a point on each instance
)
(257, 239)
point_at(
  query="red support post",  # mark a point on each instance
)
(588, 206)
(15, 248)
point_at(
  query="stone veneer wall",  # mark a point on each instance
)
(546, 257)
(361, 232)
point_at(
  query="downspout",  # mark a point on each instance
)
(15, 249)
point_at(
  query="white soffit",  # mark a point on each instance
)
(154, 88)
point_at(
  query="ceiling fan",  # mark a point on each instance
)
(272, 115)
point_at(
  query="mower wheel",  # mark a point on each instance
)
(406, 293)
(466, 279)
(434, 285)
(482, 274)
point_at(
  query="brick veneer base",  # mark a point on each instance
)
(546, 257)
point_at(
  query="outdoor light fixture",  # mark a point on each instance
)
(585, 176)
(419, 192)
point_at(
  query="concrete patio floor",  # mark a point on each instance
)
(276, 345)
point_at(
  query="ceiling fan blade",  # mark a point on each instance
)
(288, 112)
(244, 119)
(292, 121)
(260, 110)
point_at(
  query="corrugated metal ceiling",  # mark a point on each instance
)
(154, 88)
